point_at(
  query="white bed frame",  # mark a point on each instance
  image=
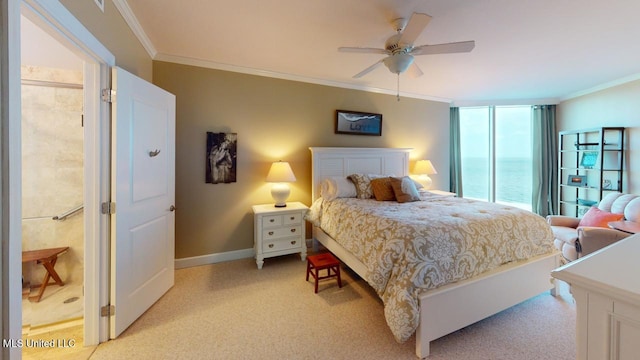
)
(451, 307)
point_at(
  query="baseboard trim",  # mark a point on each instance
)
(213, 258)
(220, 257)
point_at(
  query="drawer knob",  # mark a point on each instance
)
(270, 245)
(272, 220)
(292, 218)
(270, 232)
(293, 230)
(293, 242)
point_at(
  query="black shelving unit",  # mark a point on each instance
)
(590, 164)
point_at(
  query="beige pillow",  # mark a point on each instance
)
(337, 187)
(405, 189)
(382, 189)
(363, 185)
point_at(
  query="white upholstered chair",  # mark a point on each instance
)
(575, 240)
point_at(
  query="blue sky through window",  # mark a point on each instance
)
(510, 130)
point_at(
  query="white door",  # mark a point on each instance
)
(143, 189)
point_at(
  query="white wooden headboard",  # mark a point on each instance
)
(344, 161)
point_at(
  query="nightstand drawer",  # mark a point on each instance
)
(278, 220)
(281, 244)
(290, 219)
(281, 232)
(272, 220)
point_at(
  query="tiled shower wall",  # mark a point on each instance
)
(52, 169)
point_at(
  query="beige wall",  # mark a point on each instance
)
(52, 170)
(616, 106)
(112, 31)
(274, 119)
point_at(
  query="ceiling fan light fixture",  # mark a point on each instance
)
(398, 63)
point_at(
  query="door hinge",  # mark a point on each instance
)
(108, 208)
(108, 95)
(107, 310)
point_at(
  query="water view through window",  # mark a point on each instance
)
(495, 143)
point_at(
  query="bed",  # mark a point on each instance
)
(448, 306)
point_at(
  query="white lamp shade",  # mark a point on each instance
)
(280, 174)
(423, 169)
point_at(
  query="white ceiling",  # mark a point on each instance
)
(527, 51)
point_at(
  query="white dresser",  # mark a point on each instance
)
(606, 287)
(279, 231)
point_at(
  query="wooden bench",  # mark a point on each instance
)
(48, 258)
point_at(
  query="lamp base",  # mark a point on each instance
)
(426, 181)
(280, 193)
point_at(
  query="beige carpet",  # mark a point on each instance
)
(233, 310)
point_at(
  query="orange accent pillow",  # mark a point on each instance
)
(382, 189)
(599, 218)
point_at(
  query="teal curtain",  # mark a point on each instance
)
(455, 159)
(545, 160)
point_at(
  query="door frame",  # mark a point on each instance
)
(56, 20)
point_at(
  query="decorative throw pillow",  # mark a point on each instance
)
(363, 185)
(382, 189)
(405, 189)
(599, 218)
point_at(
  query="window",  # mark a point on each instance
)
(495, 144)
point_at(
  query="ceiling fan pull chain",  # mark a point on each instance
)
(398, 93)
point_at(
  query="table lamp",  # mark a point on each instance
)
(423, 169)
(280, 175)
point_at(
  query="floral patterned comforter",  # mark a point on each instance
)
(411, 247)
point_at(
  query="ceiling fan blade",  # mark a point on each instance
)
(455, 47)
(414, 70)
(414, 28)
(363, 50)
(368, 70)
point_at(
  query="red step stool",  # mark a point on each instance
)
(327, 261)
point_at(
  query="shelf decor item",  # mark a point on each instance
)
(584, 202)
(577, 180)
(589, 159)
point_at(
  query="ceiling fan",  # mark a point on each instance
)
(400, 50)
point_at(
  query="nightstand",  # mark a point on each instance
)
(279, 231)
(442, 193)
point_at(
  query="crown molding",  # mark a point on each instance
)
(505, 102)
(134, 24)
(284, 76)
(601, 87)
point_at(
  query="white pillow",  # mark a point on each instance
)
(337, 187)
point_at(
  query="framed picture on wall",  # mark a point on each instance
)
(358, 123)
(221, 157)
